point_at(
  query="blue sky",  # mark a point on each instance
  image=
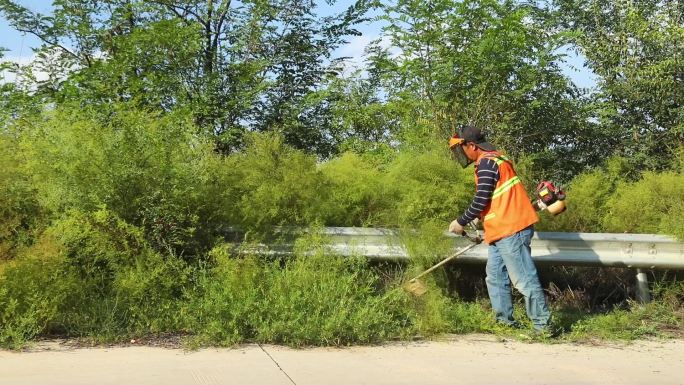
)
(19, 46)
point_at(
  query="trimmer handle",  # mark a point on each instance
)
(477, 239)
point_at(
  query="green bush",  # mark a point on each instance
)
(31, 292)
(428, 186)
(20, 213)
(90, 275)
(147, 169)
(650, 205)
(661, 318)
(357, 195)
(604, 200)
(309, 299)
(587, 198)
(278, 185)
(671, 222)
(125, 287)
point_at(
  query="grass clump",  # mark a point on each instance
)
(619, 324)
(89, 276)
(29, 300)
(310, 299)
(624, 321)
(114, 229)
(655, 319)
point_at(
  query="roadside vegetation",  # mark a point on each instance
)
(103, 260)
(159, 134)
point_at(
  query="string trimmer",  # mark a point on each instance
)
(417, 287)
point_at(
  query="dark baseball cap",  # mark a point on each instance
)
(474, 135)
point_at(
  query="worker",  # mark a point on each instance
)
(502, 204)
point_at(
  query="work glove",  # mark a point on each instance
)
(456, 228)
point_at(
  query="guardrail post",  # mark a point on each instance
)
(643, 294)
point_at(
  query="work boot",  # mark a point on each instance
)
(550, 331)
(512, 325)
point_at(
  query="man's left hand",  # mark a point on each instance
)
(455, 227)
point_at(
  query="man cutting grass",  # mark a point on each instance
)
(508, 217)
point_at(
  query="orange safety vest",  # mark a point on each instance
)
(510, 209)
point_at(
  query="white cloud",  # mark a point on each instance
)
(8, 76)
(32, 65)
(355, 50)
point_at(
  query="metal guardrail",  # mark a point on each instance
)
(580, 249)
(638, 251)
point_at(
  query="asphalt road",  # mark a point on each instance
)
(473, 359)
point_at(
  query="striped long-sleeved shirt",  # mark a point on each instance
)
(487, 178)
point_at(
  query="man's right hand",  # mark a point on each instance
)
(456, 227)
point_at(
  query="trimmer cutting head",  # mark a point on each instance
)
(417, 287)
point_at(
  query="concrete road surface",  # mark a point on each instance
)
(473, 359)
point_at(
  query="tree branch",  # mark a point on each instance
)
(223, 9)
(52, 43)
(174, 8)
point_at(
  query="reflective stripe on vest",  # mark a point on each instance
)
(505, 187)
(510, 209)
(500, 159)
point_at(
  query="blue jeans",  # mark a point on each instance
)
(510, 260)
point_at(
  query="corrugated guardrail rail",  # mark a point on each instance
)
(582, 249)
(638, 251)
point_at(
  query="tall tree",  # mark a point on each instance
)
(486, 62)
(235, 66)
(636, 49)
(302, 45)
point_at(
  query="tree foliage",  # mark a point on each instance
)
(636, 49)
(251, 65)
(269, 65)
(491, 63)
(145, 132)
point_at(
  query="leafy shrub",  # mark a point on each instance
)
(650, 205)
(124, 285)
(588, 195)
(147, 169)
(20, 213)
(671, 222)
(603, 200)
(97, 277)
(31, 292)
(278, 185)
(358, 195)
(428, 186)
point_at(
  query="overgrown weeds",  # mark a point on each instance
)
(116, 229)
(309, 299)
(94, 277)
